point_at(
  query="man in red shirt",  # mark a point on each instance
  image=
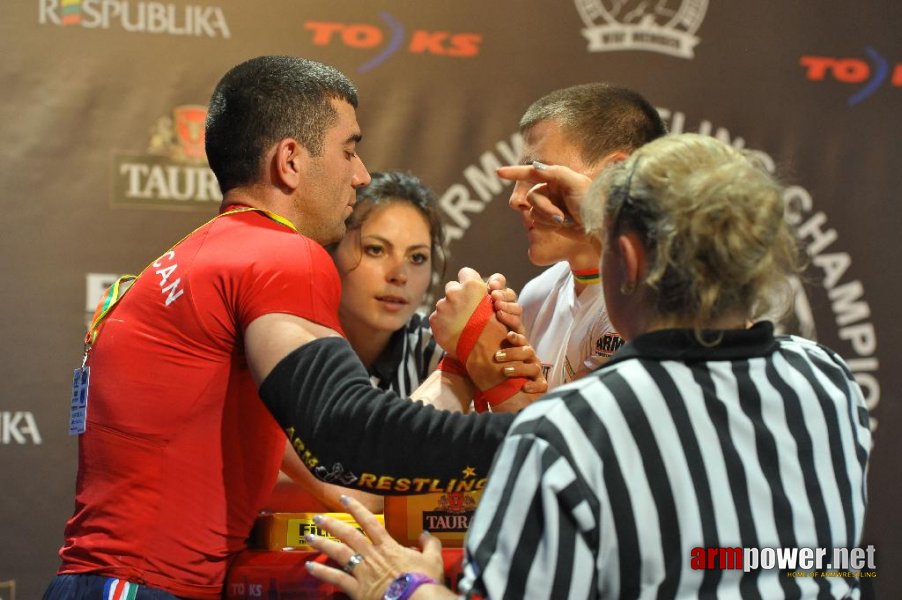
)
(178, 451)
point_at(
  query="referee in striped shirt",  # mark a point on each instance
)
(705, 436)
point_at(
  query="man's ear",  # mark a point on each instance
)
(615, 157)
(289, 163)
(610, 159)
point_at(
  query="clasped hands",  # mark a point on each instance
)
(501, 349)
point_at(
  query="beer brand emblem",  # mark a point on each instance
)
(189, 127)
(180, 136)
(666, 26)
(453, 513)
(173, 171)
(456, 502)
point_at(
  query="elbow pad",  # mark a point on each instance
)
(349, 433)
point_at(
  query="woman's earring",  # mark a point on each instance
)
(628, 288)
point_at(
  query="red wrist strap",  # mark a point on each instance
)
(497, 394)
(450, 365)
(473, 329)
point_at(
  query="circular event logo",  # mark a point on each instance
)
(830, 271)
(666, 26)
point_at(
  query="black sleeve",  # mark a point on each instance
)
(350, 433)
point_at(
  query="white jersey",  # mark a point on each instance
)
(571, 334)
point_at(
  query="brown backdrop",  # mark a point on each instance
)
(102, 99)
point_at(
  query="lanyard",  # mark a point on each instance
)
(116, 292)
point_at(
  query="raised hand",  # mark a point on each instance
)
(557, 193)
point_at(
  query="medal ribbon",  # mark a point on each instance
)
(115, 293)
(587, 276)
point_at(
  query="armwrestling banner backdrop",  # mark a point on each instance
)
(103, 167)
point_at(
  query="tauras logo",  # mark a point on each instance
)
(444, 522)
(453, 513)
(136, 17)
(665, 26)
(18, 427)
(173, 172)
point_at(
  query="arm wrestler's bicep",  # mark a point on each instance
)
(270, 338)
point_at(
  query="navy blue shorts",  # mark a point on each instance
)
(100, 587)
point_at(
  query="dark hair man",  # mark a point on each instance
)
(177, 452)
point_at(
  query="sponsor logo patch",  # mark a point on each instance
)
(869, 74)
(452, 515)
(132, 16)
(391, 37)
(173, 172)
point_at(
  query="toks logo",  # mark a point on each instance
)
(174, 172)
(366, 36)
(852, 71)
(667, 27)
(138, 17)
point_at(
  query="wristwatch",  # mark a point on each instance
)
(405, 584)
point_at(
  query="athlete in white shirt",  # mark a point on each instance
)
(584, 127)
(569, 330)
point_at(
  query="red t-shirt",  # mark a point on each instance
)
(180, 452)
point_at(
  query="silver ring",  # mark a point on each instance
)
(355, 560)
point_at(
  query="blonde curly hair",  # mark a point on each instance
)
(712, 222)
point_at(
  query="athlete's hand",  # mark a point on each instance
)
(504, 299)
(519, 359)
(453, 314)
(454, 310)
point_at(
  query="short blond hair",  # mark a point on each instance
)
(712, 222)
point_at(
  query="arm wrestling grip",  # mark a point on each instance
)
(349, 433)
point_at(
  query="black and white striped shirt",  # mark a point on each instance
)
(604, 487)
(408, 359)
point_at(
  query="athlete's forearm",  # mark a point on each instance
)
(348, 432)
